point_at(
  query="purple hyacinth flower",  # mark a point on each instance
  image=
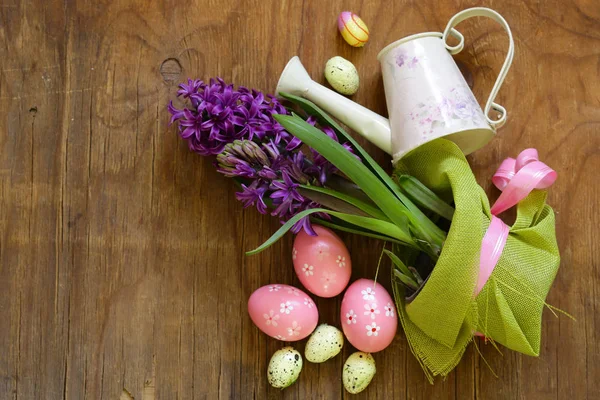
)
(241, 169)
(350, 149)
(311, 120)
(296, 168)
(267, 158)
(304, 223)
(272, 150)
(253, 195)
(221, 114)
(330, 132)
(192, 87)
(205, 147)
(175, 113)
(293, 144)
(279, 163)
(191, 125)
(284, 195)
(268, 173)
(216, 121)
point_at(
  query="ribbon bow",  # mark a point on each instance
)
(515, 179)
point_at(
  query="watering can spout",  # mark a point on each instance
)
(375, 128)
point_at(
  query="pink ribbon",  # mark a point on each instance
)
(515, 179)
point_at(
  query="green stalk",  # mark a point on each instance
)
(365, 207)
(423, 227)
(371, 224)
(355, 170)
(353, 229)
(424, 197)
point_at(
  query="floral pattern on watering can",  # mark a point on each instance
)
(457, 108)
(405, 59)
(427, 96)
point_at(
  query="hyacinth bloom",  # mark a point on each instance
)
(237, 126)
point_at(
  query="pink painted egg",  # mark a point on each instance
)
(283, 312)
(368, 316)
(322, 262)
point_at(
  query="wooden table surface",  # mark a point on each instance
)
(122, 266)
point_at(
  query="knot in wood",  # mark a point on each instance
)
(170, 70)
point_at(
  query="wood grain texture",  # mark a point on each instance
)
(122, 267)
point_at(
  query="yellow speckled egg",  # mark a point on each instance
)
(353, 29)
(342, 75)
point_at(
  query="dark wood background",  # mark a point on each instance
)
(122, 266)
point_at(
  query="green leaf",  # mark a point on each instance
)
(372, 224)
(343, 185)
(333, 203)
(416, 275)
(424, 197)
(362, 206)
(406, 281)
(401, 271)
(353, 229)
(426, 229)
(323, 118)
(407, 255)
(398, 263)
(355, 170)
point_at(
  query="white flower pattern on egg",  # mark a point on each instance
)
(350, 317)
(389, 310)
(294, 330)
(373, 329)
(294, 253)
(371, 309)
(279, 337)
(271, 318)
(318, 254)
(273, 311)
(308, 302)
(308, 269)
(327, 279)
(274, 288)
(286, 307)
(368, 294)
(322, 251)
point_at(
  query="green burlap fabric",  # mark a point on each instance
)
(441, 320)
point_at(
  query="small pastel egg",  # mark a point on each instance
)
(368, 316)
(326, 342)
(322, 262)
(284, 367)
(358, 372)
(283, 312)
(353, 29)
(342, 75)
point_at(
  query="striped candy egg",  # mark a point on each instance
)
(353, 29)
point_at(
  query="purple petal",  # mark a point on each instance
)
(293, 144)
(305, 224)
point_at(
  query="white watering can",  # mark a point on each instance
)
(427, 96)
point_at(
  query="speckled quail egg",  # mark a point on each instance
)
(284, 367)
(326, 342)
(358, 372)
(342, 75)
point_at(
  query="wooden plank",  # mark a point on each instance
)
(122, 266)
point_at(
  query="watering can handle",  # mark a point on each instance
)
(483, 12)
